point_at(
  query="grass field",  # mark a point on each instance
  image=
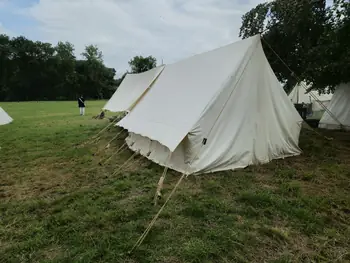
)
(58, 205)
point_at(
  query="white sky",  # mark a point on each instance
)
(167, 29)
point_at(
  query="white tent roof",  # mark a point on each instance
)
(4, 117)
(338, 110)
(228, 97)
(132, 88)
(300, 95)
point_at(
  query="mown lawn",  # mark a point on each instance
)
(57, 204)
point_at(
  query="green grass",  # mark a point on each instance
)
(58, 205)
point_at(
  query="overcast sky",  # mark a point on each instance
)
(167, 29)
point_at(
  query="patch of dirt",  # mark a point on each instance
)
(130, 197)
(43, 181)
(52, 252)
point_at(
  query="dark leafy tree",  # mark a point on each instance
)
(310, 38)
(141, 64)
(39, 71)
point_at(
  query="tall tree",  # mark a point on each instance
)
(66, 78)
(32, 61)
(6, 67)
(302, 33)
(140, 64)
(329, 59)
(92, 53)
(96, 76)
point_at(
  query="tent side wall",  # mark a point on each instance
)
(278, 116)
(112, 104)
(159, 153)
(317, 107)
(339, 108)
(132, 88)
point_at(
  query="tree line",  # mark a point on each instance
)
(35, 70)
(304, 40)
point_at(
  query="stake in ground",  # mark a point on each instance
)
(59, 205)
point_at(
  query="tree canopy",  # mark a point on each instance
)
(34, 70)
(305, 37)
(141, 64)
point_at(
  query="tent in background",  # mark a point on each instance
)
(220, 110)
(299, 95)
(339, 110)
(4, 117)
(132, 88)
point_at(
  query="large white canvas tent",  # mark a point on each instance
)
(300, 95)
(219, 110)
(132, 88)
(338, 113)
(4, 117)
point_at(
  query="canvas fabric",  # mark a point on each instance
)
(4, 117)
(132, 88)
(228, 98)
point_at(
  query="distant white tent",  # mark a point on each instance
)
(338, 113)
(300, 95)
(132, 88)
(219, 110)
(4, 117)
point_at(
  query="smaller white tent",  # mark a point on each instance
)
(132, 88)
(4, 117)
(300, 95)
(338, 113)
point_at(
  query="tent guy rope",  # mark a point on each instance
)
(298, 79)
(119, 150)
(143, 236)
(302, 84)
(107, 145)
(95, 137)
(145, 233)
(118, 170)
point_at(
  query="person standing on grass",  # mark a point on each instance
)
(81, 104)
